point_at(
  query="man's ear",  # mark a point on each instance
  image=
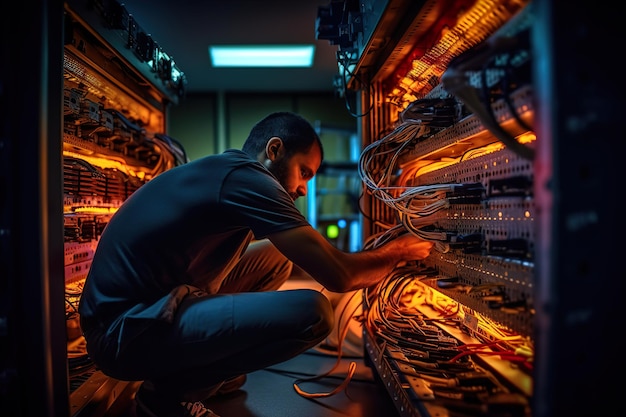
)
(274, 147)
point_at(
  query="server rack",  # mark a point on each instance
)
(85, 94)
(118, 86)
(473, 119)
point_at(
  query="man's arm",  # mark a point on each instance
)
(340, 271)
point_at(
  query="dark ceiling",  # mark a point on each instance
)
(185, 28)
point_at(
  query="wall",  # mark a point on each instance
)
(211, 123)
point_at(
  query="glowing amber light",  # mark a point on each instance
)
(526, 137)
(106, 163)
(472, 27)
(95, 210)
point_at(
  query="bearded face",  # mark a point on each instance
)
(293, 171)
(280, 169)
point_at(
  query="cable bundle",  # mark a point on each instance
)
(378, 161)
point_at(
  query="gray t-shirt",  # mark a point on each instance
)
(188, 226)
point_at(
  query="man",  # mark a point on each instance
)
(181, 291)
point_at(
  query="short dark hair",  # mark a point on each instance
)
(295, 131)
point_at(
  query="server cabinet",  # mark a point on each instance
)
(85, 94)
(481, 124)
(118, 86)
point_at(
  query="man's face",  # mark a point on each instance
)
(294, 172)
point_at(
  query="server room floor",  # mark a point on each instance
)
(271, 393)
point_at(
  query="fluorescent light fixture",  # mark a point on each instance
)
(262, 55)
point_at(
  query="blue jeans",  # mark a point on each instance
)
(246, 326)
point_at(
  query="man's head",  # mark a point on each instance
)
(289, 148)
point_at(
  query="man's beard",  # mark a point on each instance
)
(279, 170)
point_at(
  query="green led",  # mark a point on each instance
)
(332, 231)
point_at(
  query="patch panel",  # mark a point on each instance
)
(465, 182)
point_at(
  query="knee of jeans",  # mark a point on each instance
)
(325, 317)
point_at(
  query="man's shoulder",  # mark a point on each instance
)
(227, 154)
(236, 165)
(230, 157)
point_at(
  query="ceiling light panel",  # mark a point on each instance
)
(251, 56)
